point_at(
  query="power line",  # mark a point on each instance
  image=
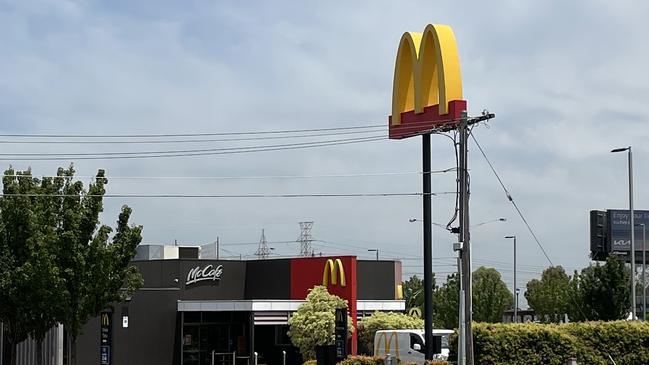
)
(242, 196)
(168, 141)
(154, 135)
(511, 199)
(228, 152)
(261, 177)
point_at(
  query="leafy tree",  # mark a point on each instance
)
(385, 321)
(446, 303)
(490, 296)
(314, 322)
(602, 292)
(550, 296)
(59, 265)
(413, 292)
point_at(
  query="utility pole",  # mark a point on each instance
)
(465, 238)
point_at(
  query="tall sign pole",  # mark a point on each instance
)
(428, 247)
(426, 98)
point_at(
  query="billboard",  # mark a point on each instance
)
(619, 232)
(427, 87)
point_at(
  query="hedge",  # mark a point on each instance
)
(553, 344)
(377, 360)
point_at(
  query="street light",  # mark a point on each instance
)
(632, 226)
(515, 289)
(375, 250)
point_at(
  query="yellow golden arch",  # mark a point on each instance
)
(387, 343)
(332, 270)
(415, 312)
(427, 71)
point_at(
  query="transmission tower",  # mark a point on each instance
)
(305, 239)
(263, 251)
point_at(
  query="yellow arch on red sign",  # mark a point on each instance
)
(427, 71)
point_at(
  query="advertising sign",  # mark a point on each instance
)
(105, 337)
(427, 88)
(619, 229)
(340, 333)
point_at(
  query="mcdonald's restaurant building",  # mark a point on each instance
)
(189, 309)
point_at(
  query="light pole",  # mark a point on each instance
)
(515, 289)
(375, 250)
(632, 225)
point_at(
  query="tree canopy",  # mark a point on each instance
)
(490, 296)
(446, 303)
(58, 264)
(550, 296)
(314, 322)
(601, 292)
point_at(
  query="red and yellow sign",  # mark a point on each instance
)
(332, 271)
(427, 89)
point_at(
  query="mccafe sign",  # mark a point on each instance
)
(205, 273)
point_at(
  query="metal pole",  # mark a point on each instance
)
(631, 212)
(465, 238)
(283, 357)
(428, 248)
(461, 359)
(377, 255)
(256, 355)
(234, 357)
(212, 358)
(515, 291)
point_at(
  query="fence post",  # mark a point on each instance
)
(212, 358)
(234, 357)
(256, 355)
(283, 357)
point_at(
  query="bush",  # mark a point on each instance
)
(368, 326)
(310, 362)
(362, 360)
(553, 344)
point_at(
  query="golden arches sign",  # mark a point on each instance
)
(333, 269)
(426, 74)
(415, 312)
(387, 343)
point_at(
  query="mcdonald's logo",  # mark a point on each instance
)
(415, 312)
(387, 344)
(427, 88)
(105, 321)
(333, 269)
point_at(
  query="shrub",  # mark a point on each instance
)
(553, 344)
(362, 360)
(368, 326)
(310, 362)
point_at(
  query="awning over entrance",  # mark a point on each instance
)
(277, 312)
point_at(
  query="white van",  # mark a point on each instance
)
(408, 345)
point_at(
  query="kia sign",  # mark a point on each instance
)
(619, 231)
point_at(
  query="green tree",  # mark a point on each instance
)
(314, 322)
(413, 292)
(601, 292)
(385, 321)
(550, 296)
(60, 265)
(490, 296)
(446, 303)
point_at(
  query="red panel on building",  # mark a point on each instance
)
(337, 272)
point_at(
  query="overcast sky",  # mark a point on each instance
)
(568, 81)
